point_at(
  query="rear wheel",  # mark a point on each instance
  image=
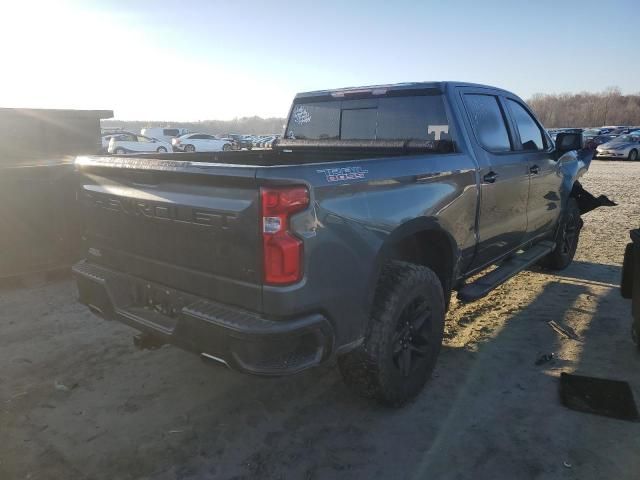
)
(633, 155)
(404, 336)
(120, 151)
(161, 150)
(566, 239)
(189, 148)
(226, 147)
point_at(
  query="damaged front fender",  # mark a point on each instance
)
(573, 165)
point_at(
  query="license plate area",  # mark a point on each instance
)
(157, 299)
(152, 305)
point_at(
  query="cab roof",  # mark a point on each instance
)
(440, 87)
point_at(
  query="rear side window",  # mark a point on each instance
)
(488, 122)
(171, 132)
(415, 117)
(530, 133)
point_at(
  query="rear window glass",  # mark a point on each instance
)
(413, 117)
(171, 132)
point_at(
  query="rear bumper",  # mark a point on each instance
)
(243, 340)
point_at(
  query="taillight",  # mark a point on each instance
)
(282, 251)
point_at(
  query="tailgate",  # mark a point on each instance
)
(190, 226)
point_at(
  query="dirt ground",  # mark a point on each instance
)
(78, 401)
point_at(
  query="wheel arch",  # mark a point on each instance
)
(423, 241)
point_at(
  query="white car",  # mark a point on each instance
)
(201, 142)
(166, 134)
(624, 146)
(107, 136)
(130, 143)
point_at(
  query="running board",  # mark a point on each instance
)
(512, 266)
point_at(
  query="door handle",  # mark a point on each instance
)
(534, 169)
(490, 177)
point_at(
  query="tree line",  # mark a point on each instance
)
(586, 109)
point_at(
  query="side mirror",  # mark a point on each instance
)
(565, 142)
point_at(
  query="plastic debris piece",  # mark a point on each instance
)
(565, 331)
(60, 386)
(545, 358)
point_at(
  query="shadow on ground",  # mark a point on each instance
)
(489, 411)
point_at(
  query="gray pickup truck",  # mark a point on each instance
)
(345, 241)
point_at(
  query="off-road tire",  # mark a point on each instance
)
(567, 239)
(374, 370)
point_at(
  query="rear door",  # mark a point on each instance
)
(210, 144)
(145, 144)
(535, 148)
(200, 142)
(504, 177)
(128, 142)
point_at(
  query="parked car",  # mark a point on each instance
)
(615, 129)
(240, 141)
(593, 142)
(345, 241)
(130, 143)
(265, 142)
(624, 146)
(201, 142)
(166, 134)
(107, 136)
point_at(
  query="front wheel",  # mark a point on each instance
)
(633, 155)
(120, 151)
(226, 147)
(403, 339)
(189, 148)
(566, 239)
(161, 150)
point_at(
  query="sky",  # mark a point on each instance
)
(187, 60)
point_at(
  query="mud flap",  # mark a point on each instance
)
(587, 202)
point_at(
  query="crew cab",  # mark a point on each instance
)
(345, 241)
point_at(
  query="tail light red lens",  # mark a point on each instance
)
(282, 251)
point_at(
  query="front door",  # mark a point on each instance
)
(536, 150)
(504, 177)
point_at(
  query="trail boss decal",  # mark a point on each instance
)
(343, 173)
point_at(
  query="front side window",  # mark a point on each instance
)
(488, 122)
(530, 132)
(412, 117)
